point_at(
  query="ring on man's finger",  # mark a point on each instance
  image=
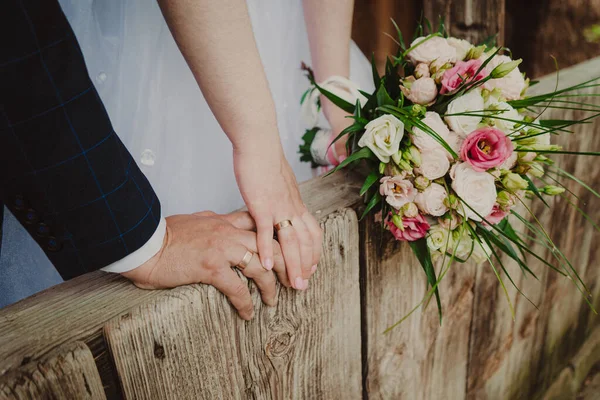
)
(246, 260)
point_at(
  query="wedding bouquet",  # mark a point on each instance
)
(452, 145)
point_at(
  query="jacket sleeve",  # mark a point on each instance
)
(64, 172)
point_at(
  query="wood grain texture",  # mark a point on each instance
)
(191, 344)
(473, 20)
(69, 372)
(80, 307)
(418, 359)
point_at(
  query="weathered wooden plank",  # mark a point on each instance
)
(67, 373)
(473, 20)
(419, 359)
(191, 344)
(80, 307)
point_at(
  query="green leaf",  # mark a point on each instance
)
(371, 179)
(534, 189)
(419, 247)
(503, 244)
(363, 153)
(304, 150)
(383, 97)
(399, 32)
(338, 101)
(372, 203)
(304, 95)
(376, 77)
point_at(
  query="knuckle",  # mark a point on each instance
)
(240, 290)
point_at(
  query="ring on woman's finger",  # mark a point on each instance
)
(246, 260)
(283, 224)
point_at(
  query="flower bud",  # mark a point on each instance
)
(418, 110)
(422, 71)
(415, 155)
(397, 220)
(450, 221)
(410, 210)
(422, 183)
(513, 182)
(475, 52)
(381, 167)
(403, 164)
(397, 156)
(451, 202)
(527, 157)
(553, 190)
(536, 170)
(504, 69)
(505, 200)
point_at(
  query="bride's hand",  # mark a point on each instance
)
(270, 191)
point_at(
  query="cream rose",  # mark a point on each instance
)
(383, 136)
(462, 246)
(477, 189)
(397, 191)
(431, 200)
(423, 140)
(504, 112)
(434, 164)
(338, 85)
(511, 85)
(439, 239)
(481, 251)
(472, 102)
(430, 49)
(461, 46)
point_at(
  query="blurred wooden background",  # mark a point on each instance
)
(533, 29)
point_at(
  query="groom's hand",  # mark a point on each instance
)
(203, 248)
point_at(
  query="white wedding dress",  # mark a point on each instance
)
(159, 113)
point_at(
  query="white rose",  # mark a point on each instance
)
(481, 251)
(423, 140)
(511, 85)
(477, 189)
(422, 71)
(383, 136)
(461, 46)
(422, 91)
(439, 239)
(434, 164)
(434, 48)
(462, 246)
(472, 102)
(431, 200)
(510, 161)
(338, 85)
(455, 142)
(506, 112)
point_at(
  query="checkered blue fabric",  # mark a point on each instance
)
(64, 172)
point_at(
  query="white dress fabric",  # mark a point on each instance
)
(161, 116)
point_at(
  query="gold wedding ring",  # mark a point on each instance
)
(283, 224)
(246, 260)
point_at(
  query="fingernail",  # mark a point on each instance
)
(305, 284)
(298, 283)
(268, 265)
(313, 269)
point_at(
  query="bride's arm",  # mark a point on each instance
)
(216, 39)
(329, 26)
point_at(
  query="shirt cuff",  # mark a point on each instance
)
(143, 254)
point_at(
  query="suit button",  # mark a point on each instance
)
(53, 244)
(42, 230)
(19, 203)
(31, 216)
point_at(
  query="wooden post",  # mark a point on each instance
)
(473, 20)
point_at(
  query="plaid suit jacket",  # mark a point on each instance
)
(64, 172)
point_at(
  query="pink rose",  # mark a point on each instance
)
(462, 72)
(485, 148)
(414, 228)
(497, 215)
(398, 191)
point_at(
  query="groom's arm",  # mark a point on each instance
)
(64, 173)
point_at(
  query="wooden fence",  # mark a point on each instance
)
(98, 336)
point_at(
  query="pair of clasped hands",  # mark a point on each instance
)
(203, 247)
